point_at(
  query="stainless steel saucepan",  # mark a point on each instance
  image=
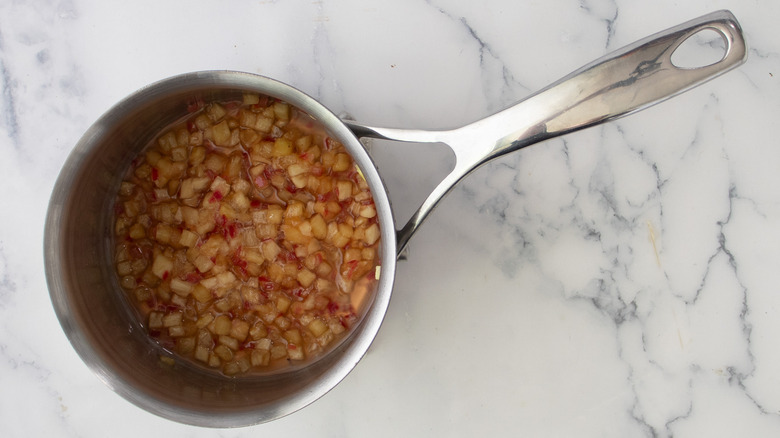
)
(78, 249)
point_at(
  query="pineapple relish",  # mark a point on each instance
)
(246, 237)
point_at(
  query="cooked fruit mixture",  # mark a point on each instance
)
(247, 238)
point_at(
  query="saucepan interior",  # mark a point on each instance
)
(90, 303)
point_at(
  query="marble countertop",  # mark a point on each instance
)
(617, 282)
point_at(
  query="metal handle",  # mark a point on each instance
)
(623, 82)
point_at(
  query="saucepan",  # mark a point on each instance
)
(78, 257)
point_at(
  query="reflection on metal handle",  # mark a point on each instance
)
(623, 82)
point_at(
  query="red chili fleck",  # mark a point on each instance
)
(255, 203)
(231, 229)
(216, 196)
(155, 174)
(191, 126)
(333, 307)
(325, 197)
(292, 347)
(351, 267)
(238, 261)
(261, 181)
(193, 277)
(166, 274)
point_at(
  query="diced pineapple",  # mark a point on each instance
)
(293, 336)
(124, 268)
(176, 331)
(202, 353)
(167, 141)
(203, 263)
(209, 283)
(223, 352)
(239, 202)
(274, 214)
(206, 221)
(282, 147)
(306, 277)
(270, 250)
(214, 360)
(342, 163)
(215, 112)
(263, 123)
(156, 320)
(229, 342)
(221, 325)
(172, 319)
(260, 358)
(263, 344)
(283, 303)
(295, 209)
(295, 352)
(239, 330)
(344, 189)
(250, 99)
(215, 162)
(253, 255)
(317, 327)
(278, 352)
(372, 234)
(226, 279)
(258, 332)
(282, 111)
(181, 287)
(162, 266)
(202, 322)
(188, 239)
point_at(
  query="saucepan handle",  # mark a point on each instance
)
(623, 82)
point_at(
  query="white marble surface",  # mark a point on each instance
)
(618, 282)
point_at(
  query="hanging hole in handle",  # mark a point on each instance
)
(410, 171)
(704, 48)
